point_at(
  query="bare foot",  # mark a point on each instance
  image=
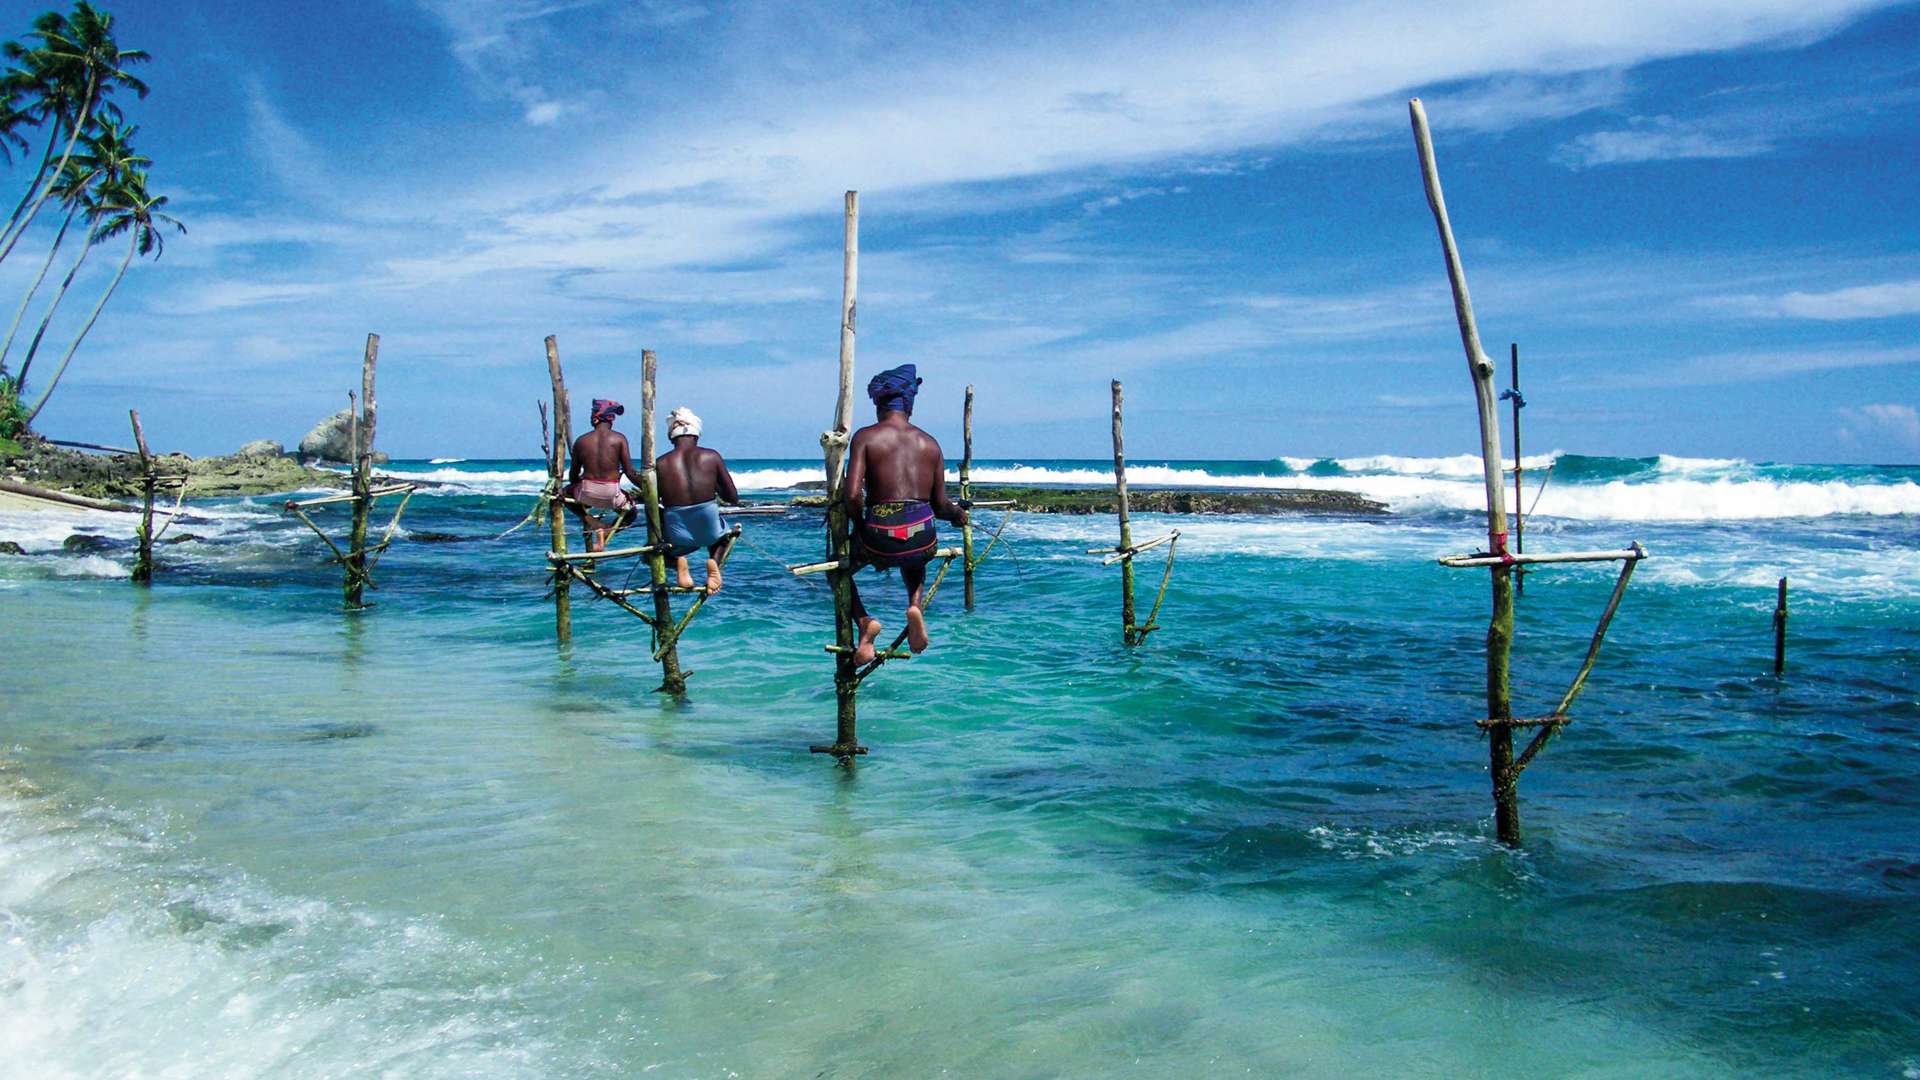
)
(916, 630)
(686, 576)
(713, 576)
(597, 541)
(869, 630)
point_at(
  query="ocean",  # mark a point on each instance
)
(245, 834)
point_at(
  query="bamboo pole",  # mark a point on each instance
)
(363, 432)
(1506, 807)
(846, 740)
(557, 452)
(672, 680)
(966, 493)
(1780, 630)
(1482, 559)
(143, 562)
(1127, 632)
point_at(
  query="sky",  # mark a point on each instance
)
(1696, 218)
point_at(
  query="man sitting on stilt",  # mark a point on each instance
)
(599, 458)
(693, 482)
(896, 486)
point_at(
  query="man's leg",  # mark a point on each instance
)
(713, 567)
(864, 624)
(913, 576)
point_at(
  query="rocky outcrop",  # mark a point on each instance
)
(1038, 500)
(330, 440)
(117, 476)
(8, 547)
(261, 448)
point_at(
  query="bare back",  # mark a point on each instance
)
(691, 474)
(602, 454)
(894, 461)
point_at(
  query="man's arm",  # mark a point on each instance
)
(573, 463)
(723, 482)
(943, 507)
(626, 465)
(855, 493)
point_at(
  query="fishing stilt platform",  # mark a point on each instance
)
(1499, 722)
(1132, 632)
(359, 559)
(151, 479)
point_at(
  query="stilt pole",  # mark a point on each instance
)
(672, 679)
(846, 680)
(966, 493)
(557, 452)
(143, 561)
(1128, 632)
(1780, 631)
(1519, 517)
(363, 432)
(1506, 807)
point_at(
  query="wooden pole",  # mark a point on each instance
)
(1780, 630)
(557, 452)
(846, 681)
(1506, 806)
(362, 428)
(966, 494)
(672, 680)
(1519, 517)
(1127, 631)
(143, 562)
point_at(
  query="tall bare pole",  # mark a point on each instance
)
(362, 427)
(1500, 626)
(966, 493)
(1127, 631)
(557, 452)
(846, 682)
(1519, 515)
(672, 680)
(143, 561)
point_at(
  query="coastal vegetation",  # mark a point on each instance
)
(58, 95)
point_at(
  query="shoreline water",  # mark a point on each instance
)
(422, 839)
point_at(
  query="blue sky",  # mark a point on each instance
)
(1698, 219)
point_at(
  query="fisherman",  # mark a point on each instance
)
(693, 481)
(896, 486)
(599, 458)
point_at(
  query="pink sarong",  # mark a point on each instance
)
(602, 495)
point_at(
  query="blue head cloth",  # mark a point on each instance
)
(895, 388)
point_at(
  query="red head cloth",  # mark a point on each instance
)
(605, 409)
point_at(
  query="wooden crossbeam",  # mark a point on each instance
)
(375, 493)
(840, 564)
(590, 556)
(1524, 722)
(1481, 558)
(1115, 555)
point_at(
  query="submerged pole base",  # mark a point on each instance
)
(674, 687)
(843, 751)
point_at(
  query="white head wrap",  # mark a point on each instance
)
(681, 421)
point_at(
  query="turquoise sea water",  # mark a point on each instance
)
(244, 834)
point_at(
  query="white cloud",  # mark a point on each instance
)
(1860, 302)
(1660, 138)
(1900, 423)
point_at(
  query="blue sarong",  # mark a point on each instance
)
(690, 528)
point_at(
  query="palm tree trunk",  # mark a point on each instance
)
(46, 159)
(21, 312)
(133, 241)
(46, 189)
(33, 348)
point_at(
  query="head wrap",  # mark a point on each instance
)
(605, 409)
(681, 421)
(895, 388)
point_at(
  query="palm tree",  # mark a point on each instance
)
(107, 157)
(127, 207)
(77, 53)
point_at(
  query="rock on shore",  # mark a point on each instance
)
(117, 476)
(1043, 500)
